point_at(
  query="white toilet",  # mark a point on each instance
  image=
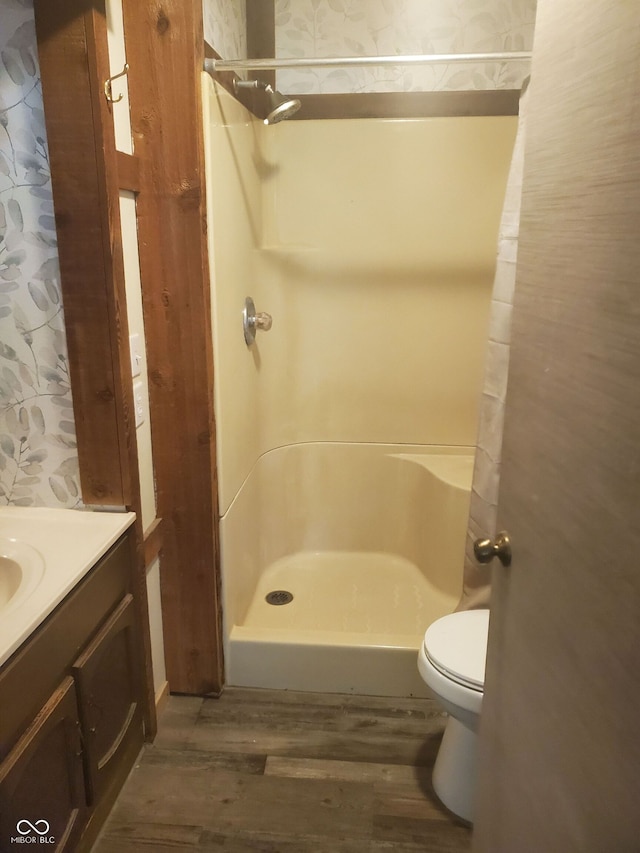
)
(452, 661)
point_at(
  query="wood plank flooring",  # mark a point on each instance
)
(269, 771)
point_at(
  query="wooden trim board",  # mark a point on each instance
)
(153, 536)
(165, 54)
(162, 697)
(494, 102)
(261, 36)
(128, 172)
(93, 313)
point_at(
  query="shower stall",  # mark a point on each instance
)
(346, 432)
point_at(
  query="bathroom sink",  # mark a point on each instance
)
(21, 570)
(44, 553)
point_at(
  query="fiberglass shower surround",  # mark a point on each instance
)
(347, 433)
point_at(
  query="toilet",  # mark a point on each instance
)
(451, 661)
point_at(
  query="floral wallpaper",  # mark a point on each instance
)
(225, 27)
(388, 27)
(38, 459)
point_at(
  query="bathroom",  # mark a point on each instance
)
(351, 322)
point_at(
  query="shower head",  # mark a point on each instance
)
(279, 107)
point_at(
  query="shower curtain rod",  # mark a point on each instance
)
(213, 65)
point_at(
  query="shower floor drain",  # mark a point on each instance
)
(278, 596)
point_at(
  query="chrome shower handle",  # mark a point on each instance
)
(252, 321)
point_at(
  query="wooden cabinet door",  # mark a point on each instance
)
(42, 793)
(109, 696)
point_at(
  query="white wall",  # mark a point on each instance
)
(135, 319)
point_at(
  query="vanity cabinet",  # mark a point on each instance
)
(71, 721)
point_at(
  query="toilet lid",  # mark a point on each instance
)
(457, 645)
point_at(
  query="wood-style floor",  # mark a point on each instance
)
(281, 772)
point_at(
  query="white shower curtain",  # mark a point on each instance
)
(486, 474)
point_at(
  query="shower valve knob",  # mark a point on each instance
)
(263, 321)
(253, 320)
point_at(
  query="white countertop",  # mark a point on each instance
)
(68, 542)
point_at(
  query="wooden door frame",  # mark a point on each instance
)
(167, 173)
(165, 52)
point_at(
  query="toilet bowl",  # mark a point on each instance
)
(451, 661)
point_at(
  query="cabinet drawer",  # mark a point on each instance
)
(34, 671)
(107, 680)
(41, 780)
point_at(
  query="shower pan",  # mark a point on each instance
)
(368, 545)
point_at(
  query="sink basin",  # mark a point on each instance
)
(21, 570)
(44, 554)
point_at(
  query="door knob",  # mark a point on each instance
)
(485, 550)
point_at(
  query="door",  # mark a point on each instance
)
(107, 679)
(41, 782)
(559, 739)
